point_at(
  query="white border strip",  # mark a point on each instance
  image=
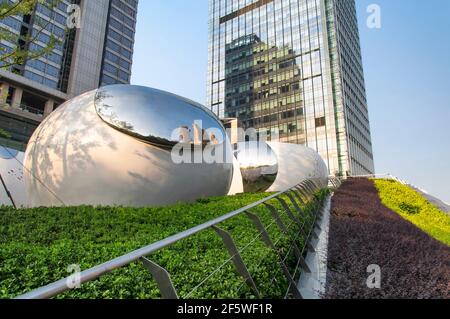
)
(312, 285)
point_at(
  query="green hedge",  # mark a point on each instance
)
(415, 208)
(37, 246)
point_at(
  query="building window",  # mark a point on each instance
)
(320, 122)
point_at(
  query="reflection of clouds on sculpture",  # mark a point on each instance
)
(172, 117)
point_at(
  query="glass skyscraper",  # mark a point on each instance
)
(295, 67)
(118, 51)
(99, 52)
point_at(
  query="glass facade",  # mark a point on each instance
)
(119, 43)
(53, 70)
(46, 22)
(98, 52)
(278, 65)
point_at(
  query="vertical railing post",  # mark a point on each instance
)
(297, 207)
(162, 279)
(297, 195)
(288, 210)
(303, 189)
(8, 193)
(237, 258)
(268, 241)
(284, 229)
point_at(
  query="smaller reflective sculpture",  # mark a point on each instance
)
(275, 167)
(258, 165)
(297, 163)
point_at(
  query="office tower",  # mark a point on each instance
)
(97, 50)
(293, 67)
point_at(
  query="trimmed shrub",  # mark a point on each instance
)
(415, 208)
(38, 245)
(364, 232)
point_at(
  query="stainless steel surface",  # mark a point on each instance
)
(261, 229)
(160, 118)
(162, 278)
(126, 161)
(60, 286)
(258, 164)
(297, 163)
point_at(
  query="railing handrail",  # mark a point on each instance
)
(386, 175)
(93, 273)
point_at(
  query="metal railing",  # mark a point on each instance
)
(24, 108)
(334, 182)
(291, 202)
(383, 176)
(31, 110)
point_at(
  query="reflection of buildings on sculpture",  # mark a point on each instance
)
(294, 67)
(98, 53)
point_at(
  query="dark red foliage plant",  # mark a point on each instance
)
(366, 234)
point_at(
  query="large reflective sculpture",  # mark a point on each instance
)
(112, 146)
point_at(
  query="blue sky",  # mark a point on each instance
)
(406, 64)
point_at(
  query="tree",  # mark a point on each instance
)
(21, 51)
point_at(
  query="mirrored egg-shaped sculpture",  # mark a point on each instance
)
(258, 165)
(114, 146)
(297, 163)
